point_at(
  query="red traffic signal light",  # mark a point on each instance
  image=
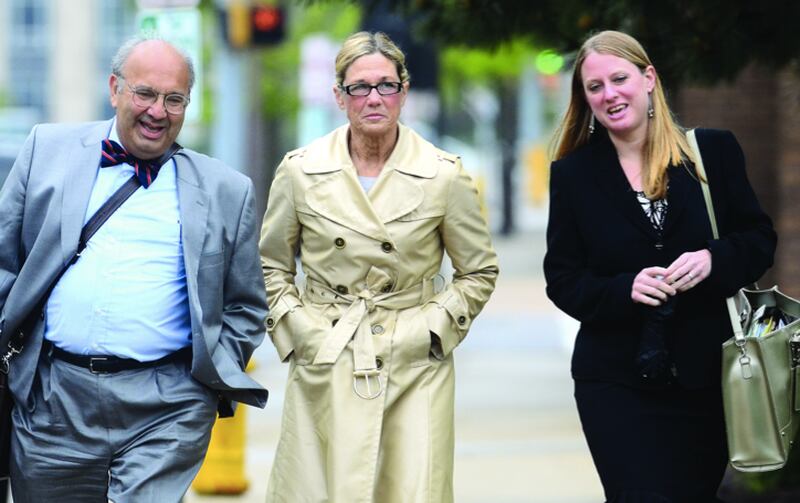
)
(246, 26)
(266, 18)
(266, 24)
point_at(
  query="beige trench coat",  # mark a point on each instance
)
(368, 414)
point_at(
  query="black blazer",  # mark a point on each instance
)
(598, 239)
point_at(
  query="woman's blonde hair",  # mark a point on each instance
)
(365, 43)
(665, 143)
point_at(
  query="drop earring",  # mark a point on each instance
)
(591, 125)
(650, 111)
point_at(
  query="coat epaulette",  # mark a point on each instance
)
(296, 152)
(446, 156)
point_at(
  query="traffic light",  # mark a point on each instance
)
(266, 24)
(253, 25)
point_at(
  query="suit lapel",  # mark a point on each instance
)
(683, 189)
(194, 207)
(193, 203)
(611, 181)
(84, 159)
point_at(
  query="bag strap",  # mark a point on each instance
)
(736, 324)
(102, 214)
(105, 211)
(17, 340)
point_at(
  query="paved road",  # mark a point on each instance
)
(518, 438)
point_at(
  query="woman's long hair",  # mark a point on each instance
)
(665, 143)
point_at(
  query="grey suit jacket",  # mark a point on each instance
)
(42, 207)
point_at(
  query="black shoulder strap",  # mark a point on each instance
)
(108, 208)
(100, 217)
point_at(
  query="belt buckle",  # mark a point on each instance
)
(368, 375)
(97, 359)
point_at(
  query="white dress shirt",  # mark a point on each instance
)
(126, 296)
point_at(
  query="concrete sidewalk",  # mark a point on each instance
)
(518, 438)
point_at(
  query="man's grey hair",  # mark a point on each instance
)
(124, 51)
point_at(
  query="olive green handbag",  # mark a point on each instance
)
(759, 368)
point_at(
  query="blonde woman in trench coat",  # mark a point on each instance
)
(371, 207)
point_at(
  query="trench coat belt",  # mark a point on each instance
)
(353, 325)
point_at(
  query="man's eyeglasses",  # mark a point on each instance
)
(174, 103)
(383, 88)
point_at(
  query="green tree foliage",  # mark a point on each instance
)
(460, 64)
(703, 41)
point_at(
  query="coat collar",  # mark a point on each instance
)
(338, 195)
(413, 155)
(331, 153)
(611, 180)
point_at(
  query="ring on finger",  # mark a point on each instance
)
(690, 276)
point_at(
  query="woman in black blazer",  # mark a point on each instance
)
(630, 255)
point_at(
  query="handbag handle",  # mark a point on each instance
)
(736, 324)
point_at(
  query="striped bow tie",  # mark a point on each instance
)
(114, 153)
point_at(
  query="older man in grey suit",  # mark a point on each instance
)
(147, 334)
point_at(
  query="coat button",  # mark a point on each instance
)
(386, 246)
(462, 320)
(339, 242)
(379, 363)
(270, 322)
(342, 289)
(387, 288)
(377, 329)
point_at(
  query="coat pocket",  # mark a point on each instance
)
(449, 319)
(412, 339)
(214, 259)
(308, 328)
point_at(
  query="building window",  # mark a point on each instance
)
(28, 43)
(116, 23)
